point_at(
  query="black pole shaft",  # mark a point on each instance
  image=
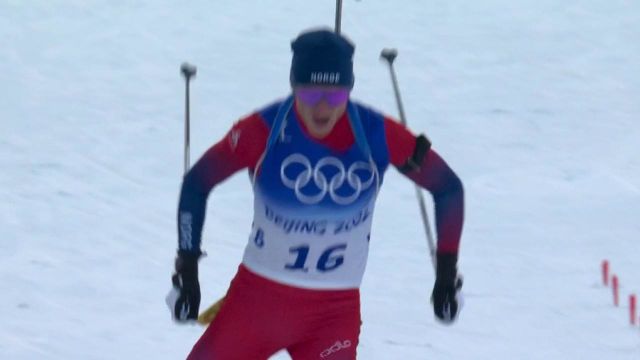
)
(187, 127)
(188, 71)
(396, 91)
(389, 55)
(338, 16)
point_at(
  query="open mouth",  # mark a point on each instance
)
(321, 122)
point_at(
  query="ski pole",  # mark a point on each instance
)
(188, 71)
(338, 15)
(389, 55)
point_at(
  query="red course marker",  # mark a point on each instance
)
(632, 308)
(605, 272)
(614, 286)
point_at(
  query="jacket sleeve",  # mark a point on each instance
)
(434, 175)
(240, 148)
(446, 188)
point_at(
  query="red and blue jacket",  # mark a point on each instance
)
(306, 189)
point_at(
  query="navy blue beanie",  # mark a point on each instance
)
(322, 57)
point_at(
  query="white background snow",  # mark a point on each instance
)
(535, 104)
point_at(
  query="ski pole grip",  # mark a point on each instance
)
(188, 70)
(389, 55)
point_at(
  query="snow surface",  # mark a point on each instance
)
(535, 104)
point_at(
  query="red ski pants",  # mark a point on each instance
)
(259, 317)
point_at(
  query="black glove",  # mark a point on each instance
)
(184, 299)
(445, 291)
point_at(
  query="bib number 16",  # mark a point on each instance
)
(330, 259)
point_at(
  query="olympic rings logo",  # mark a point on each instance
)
(325, 186)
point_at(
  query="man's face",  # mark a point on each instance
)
(321, 107)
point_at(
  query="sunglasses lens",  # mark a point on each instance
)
(314, 96)
(337, 97)
(310, 96)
